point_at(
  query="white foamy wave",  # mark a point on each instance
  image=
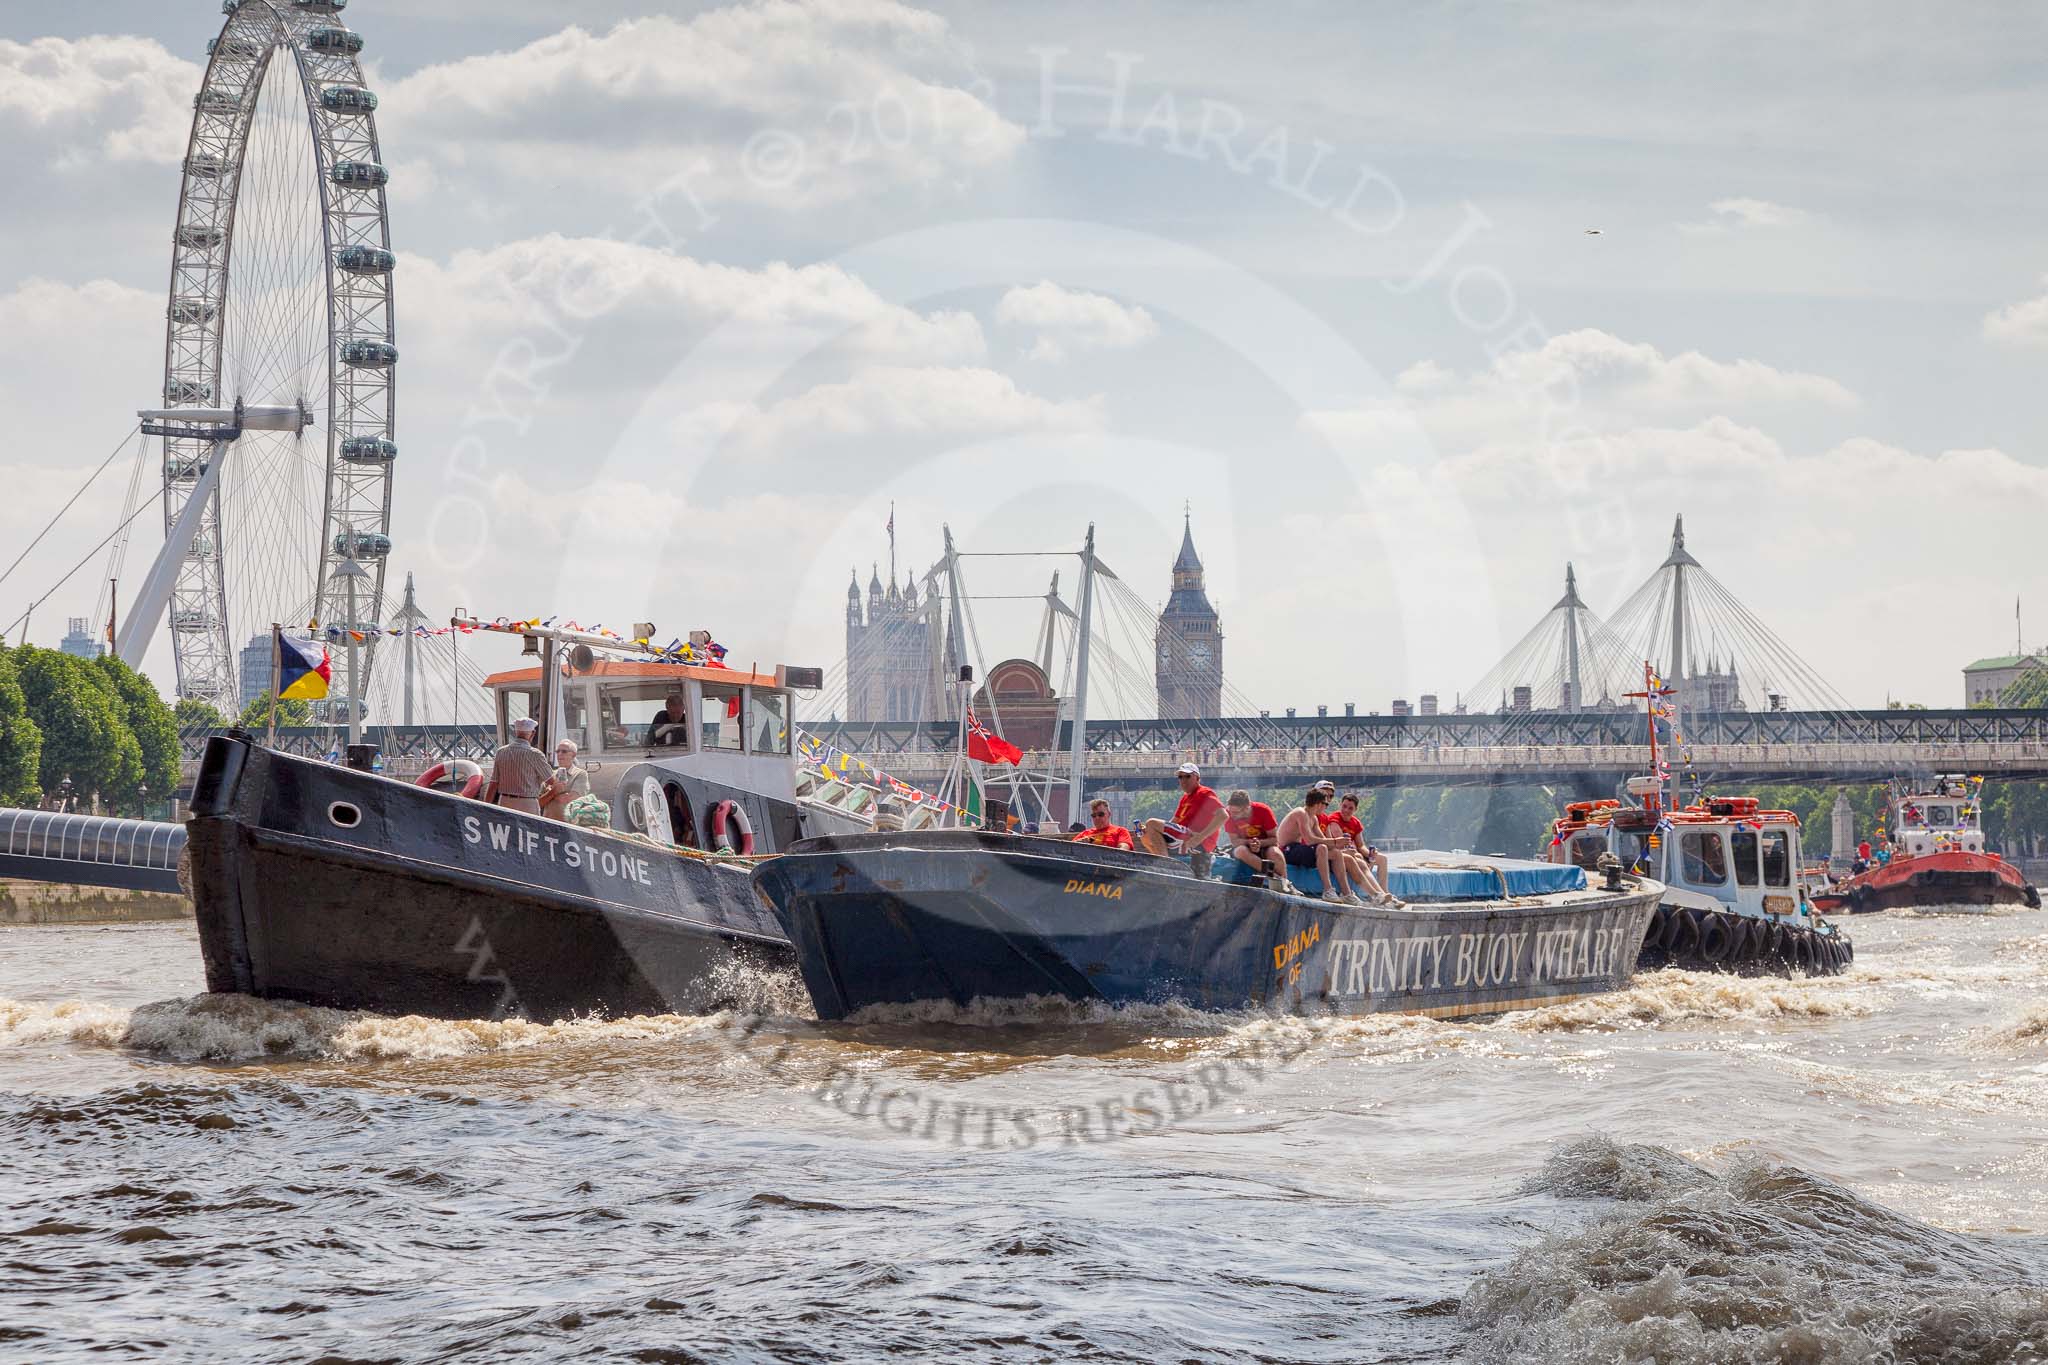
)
(1763, 1264)
(237, 1028)
(1674, 996)
(27, 1023)
(2028, 1030)
(1927, 911)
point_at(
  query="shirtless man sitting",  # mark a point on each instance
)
(1305, 843)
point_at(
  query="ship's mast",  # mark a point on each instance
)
(1078, 755)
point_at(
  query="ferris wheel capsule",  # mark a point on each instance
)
(359, 174)
(348, 99)
(369, 450)
(362, 544)
(335, 40)
(366, 260)
(369, 355)
(201, 236)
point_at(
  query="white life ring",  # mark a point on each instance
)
(733, 812)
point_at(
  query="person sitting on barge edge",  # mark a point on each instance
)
(1305, 844)
(1254, 835)
(1196, 823)
(1103, 832)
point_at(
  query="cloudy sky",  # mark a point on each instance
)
(689, 295)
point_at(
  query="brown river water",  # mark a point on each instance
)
(1698, 1169)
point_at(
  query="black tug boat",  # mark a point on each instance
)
(318, 883)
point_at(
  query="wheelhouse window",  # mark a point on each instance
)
(1743, 843)
(1587, 848)
(1702, 858)
(1633, 848)
(1941, 817)
(575, 714)
(720, 718)
(638, 716)
(771, 722)
(1777, 857)
(515, 703)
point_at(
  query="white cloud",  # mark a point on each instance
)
(900, 404)
(1741, 213)
(1073, 319)
(631, 294)
(127, 98)
(774, 101)
(1585, 379)
(2020, 324)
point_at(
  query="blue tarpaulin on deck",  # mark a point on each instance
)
(1430, 875)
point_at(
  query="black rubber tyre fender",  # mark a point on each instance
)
(2033, 898)
(1740, 933)
(1859, 901)
(1688, 945)
(1803, 951)
(1715, 938)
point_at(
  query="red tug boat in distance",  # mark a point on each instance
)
(1932, 855)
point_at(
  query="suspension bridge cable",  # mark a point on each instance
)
(52, 524)
(89, 554)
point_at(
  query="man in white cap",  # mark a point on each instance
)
(1196, 822)
(520, 770)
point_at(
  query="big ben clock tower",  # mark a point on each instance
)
(1189, 643)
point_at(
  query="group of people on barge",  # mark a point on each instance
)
(1311, 836)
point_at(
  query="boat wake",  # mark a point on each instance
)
(1761, 1263)
(2029, 1030)
(239, 1028)
(1675, 996)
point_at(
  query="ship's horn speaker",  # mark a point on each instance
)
(580, 658)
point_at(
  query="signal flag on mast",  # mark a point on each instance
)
(302, 673)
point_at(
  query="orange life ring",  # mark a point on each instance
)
(471, 775)
(731, 811)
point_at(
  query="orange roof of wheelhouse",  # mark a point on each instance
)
(641, 668)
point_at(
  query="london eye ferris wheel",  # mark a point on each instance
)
(279, 362)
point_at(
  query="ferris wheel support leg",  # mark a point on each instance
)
(138, 628)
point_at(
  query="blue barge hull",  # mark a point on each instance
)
(960, 915)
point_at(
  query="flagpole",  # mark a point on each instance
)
(276, 674)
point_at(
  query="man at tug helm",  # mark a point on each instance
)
(1196, 822)
(671, 723)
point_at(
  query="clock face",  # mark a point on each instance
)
(1200, 653)
(1165, 655)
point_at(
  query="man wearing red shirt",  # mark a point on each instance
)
(1101, 831)
(1196, 822)
(1254, 831)
(1368, 864)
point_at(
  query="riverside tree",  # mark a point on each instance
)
(151, 723)
(21, 742)
(290, 711)
(84, 725)
(191, 713)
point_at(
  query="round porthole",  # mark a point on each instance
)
(344, 815)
